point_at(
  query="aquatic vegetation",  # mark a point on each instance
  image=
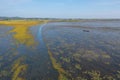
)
(81, 55)
(65, 59)
(18, 62)
(58, 67)
(77, 66)
(18, 69)
(95, 75)
(4, 73)
(74, 54)
(21, 32)
(118, 75)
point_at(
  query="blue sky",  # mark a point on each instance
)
(61, 8)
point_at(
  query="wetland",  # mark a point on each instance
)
(43, 50)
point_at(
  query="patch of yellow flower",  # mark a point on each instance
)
(21, 30)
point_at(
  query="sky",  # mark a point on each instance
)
(60, 8)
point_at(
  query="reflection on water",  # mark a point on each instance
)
(92, 54)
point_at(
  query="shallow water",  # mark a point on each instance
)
(96, 50)
(36, 57)
(83, 49)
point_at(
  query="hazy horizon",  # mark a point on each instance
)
(85, 9)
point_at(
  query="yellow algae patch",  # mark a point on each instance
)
(62, 74)
(18, 69)
(23, 36)
(21, 30)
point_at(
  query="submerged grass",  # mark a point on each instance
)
(58, 67)
(18, 69)
(21, 30)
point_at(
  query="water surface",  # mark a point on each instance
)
(84, 49)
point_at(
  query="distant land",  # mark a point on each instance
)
(22, 18)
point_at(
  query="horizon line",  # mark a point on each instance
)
(53, 17)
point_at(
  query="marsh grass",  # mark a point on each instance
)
(62, 74)
(21, 32)
(18, 69)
